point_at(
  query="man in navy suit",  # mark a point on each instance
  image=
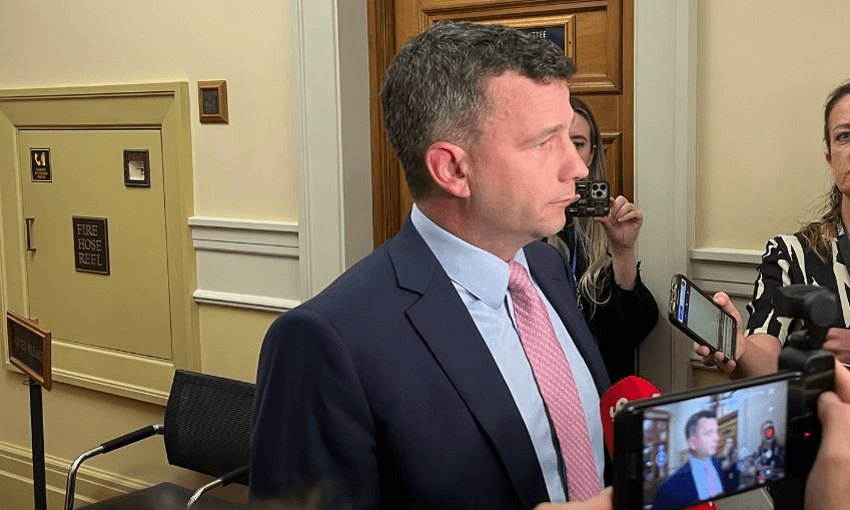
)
(404, 384)
(702, 477)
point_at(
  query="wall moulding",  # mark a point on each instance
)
(247, 263)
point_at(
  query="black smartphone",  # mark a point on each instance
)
(681, 449)
(593, 199)
(699, 317)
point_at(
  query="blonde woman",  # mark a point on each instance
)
(618, 307)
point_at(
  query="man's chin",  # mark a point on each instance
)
(558, 226)
(550, 226)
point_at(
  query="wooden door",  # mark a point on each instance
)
(598, 34)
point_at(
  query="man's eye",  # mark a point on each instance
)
(843, 136)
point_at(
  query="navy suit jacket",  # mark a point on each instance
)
(381, 392)
(680, 490)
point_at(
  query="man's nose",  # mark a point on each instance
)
(574, 167)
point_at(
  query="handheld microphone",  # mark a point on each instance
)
(622, 392)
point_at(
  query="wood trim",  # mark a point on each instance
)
(385, 168)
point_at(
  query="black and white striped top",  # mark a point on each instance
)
(788, 260)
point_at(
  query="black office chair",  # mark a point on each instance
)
(207, 429)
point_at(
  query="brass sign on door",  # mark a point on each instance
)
(559, 29)
(40, 165)
(91, 245)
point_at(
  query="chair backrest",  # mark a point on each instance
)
(208, 423)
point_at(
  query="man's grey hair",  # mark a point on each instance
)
(435, 87)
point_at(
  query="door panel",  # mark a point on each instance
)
(128, 309)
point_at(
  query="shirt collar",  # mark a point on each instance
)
(702, 463)
(481, 273)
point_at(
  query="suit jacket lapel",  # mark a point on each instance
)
(446, 327)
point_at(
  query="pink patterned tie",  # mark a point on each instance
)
(556, 383)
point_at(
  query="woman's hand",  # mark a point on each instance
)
(622, 224)
(756, 354)
(717, 359)
(838, 341)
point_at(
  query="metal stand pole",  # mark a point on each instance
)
(37, 426)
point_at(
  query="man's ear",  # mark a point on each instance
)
(449, 165)
(828, 158)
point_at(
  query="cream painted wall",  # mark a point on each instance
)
(231, 340)
(243, 169)
(764, 70)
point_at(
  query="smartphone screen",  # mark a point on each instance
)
(702, 447)
(703, 318)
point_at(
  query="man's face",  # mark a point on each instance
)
(524, 167)
(704, 443)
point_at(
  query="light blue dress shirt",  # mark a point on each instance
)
(699, 468)
(481, 280)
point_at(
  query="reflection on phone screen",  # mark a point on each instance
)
(700, 449)
(706, 320)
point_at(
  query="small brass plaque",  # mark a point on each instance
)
(91, 245)
(40, 164)
(554, 33)
(560, 29)
(29, 348)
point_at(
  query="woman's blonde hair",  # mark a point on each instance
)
(592, 240)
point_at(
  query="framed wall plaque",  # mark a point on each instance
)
(137, 168)
(29, 348)
(561, 30)
(212, 101)
(40, 165)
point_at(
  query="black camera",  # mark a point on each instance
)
(818, 309)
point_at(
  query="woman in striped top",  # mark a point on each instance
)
(811, 256)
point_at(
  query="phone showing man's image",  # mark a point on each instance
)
(699, 317)
(678, 450)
